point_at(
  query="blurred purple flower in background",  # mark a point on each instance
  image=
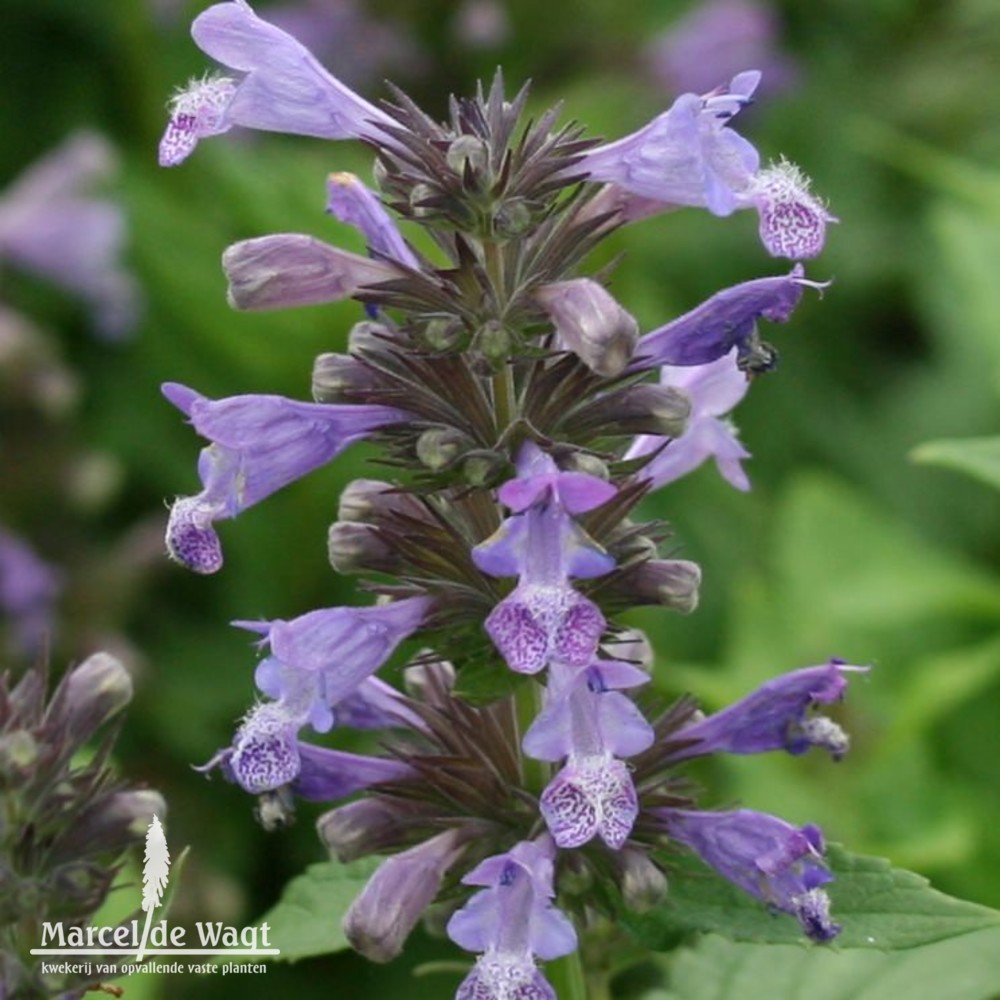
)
(714, 41)
(29, 588)
(51, 228)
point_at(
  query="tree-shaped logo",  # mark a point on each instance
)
(155, 870)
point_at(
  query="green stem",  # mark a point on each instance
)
(528, 703)
(567, 978)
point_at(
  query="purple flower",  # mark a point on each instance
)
(778, 863)
(688, 156)
(714, 389)
(266, 754)
(511, 921)
(544, 618)
(350, 201)
(774, 717)
(395, 897)
(589, 723)
(590, 323)
(260, 443)
(282, 88)
(727, 320)
(320, 658)
(51, 227)
(713, 40)
(29, 588)
(286, 270)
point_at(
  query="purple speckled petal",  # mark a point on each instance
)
(265, 751)
(588, 798)
(792, 220)
(191, 539)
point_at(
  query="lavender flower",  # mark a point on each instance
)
(713, 40)
(727, 320)
(688, 156)
(259, 444)
(29, 588)
(282, 89)
(545, 618)
(51, 227)
(778, 863)
(774, 717)
(511, 921)
(588, 722)
(714, 389)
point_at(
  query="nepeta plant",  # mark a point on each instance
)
(523, 416)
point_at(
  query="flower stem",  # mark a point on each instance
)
(528, 703)
(567, 978)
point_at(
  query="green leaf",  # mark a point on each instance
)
(979, 457)
(963, 968)
(877, 906)
(306, 920)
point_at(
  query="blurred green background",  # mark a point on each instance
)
(844, 547)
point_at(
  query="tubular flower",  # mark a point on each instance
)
(510, 922)
(544, 618)
(714, 389)
(281, 88)
(259, 444)
(778, 863)
(689, 156)
(587, 721)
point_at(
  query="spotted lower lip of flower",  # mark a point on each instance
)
(287, 270)
(774, 717)
(725, 321)
(780, 864)
(534, 625)
(590, 797)
(282, 88)
(260, 443)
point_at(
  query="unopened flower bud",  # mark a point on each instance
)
(388, 908)
(469, 153)
(419, 194)
(513, 218)
(440, 447)
(88, 696)
(583, 461)
(492, 342)
(369, 336)
(590, 323)
(355, 548)
(112, 824)
(638, 409)
(444, 334)
(632, 646)
(484, 469)
(336, 376)
(369, 500)
(640, 880)
(359, 828)
(18, 757)
(672, 583)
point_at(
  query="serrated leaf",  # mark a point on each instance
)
(962, 968)
(979, 457)
(306, 920)
(877, 906)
